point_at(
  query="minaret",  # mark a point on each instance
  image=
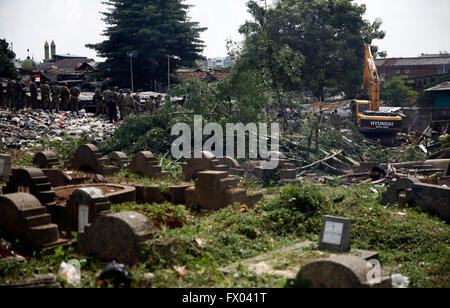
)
(53, 49)
(47, 52)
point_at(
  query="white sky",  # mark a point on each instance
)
(413, 26)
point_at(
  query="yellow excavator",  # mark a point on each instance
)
(367, 114)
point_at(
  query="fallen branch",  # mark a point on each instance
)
(321, 161)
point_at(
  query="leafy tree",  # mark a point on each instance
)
(397, 92)
(7, 68)
(329, 36)
(156, 29)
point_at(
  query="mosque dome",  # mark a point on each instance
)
(28, 65)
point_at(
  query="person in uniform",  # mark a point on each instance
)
(74, 95)
(113, 109)
(107, 98)
(18, 103)
(120, 103)
(33, 95)
(129, 104)
(65, 97)
(98, 101)
(56, 98)
(45, 96)
(11, 92)
(158, 102)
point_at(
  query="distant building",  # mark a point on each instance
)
(218, 63)
(203, 75)
(423, 70)
(441, 94)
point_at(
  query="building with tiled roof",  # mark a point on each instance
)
(423, 70)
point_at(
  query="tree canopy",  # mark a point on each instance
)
(155, 29)
(7, 68)
(398, 92)
(326, 39)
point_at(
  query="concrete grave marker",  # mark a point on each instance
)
(84, 207)
(117, 236)
(5, 167)
(335, 234)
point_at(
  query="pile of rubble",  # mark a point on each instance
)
(23, 129)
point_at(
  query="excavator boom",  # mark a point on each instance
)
(371, 80)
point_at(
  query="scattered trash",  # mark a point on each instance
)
(70, 273)
(339, 199)
(399, 281)
(115, 273)
(21, 129)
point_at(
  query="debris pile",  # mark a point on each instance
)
(23, 129)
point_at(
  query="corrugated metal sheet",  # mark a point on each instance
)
(445, 86)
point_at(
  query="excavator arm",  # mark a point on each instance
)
(371, 80)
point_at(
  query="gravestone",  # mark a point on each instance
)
(23, 216)
(343, 271)
(118, 159)
(88, 158)
(83, 207)
(117, 237)
(5, 167)
(46, 160)
(144, 163)
(335, 234)
(216, 190)
(195, 165)
(33, 181)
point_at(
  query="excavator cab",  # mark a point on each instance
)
(367, 114)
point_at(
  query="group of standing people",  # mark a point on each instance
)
(53, 96)
(118, 101)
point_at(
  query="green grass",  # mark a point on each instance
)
(415, 245)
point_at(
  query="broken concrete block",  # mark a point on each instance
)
(5, 167)
(149, 194)
(23, 216)
(146, 164)
(46, 160)
(343, 271)
(431, 198)
(391, 195)
(177, 193)
(117, 237)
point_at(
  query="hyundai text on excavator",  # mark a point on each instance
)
(367, 114)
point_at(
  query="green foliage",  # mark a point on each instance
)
(163, 215)
(412, 154)
(7, 68)
(397, 92)
(155, 29)
(295, 209)
(63, 148)
(445, 142)
(321, 41)
(147, 132)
